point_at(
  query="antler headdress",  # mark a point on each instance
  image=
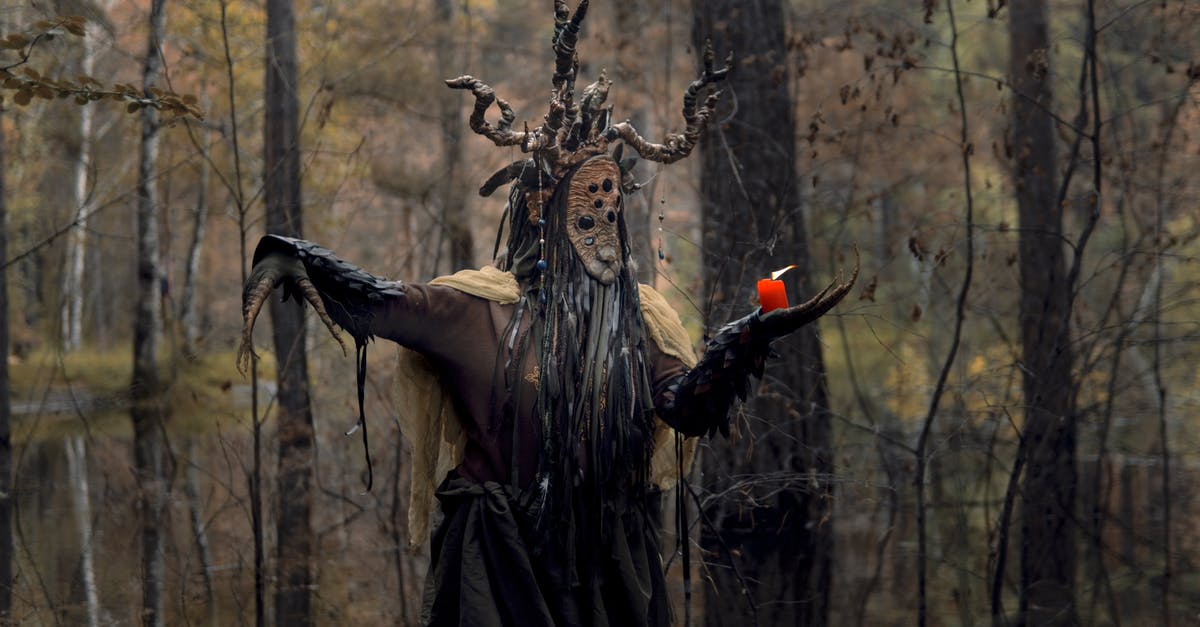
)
(574, 131)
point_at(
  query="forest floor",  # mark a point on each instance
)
(54, 393)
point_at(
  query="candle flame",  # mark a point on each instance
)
(778, 273)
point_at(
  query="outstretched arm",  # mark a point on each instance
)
(342, 294)
(697, 402)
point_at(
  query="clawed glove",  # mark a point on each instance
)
(698, 401)
(340, 292)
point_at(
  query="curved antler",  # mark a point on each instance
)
(679, 145)
(573, 131)
(501, 134)
(566, 61)
(585, 124)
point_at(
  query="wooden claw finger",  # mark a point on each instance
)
(829, 299)
(245, 357)
(837, 290)
(816, 300)
(309, 291)
(853, 275)
(253, 299)
(789, 320)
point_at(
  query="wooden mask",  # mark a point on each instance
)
(593, 207)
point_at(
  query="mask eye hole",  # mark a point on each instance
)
(611, 216)
(586, 223)
(607, 185)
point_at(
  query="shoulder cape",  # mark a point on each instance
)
(429, 422)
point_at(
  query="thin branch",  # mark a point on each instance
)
(1160, 246)
(1076, 128)
(255, 478)
(959, 317)
(745, 586)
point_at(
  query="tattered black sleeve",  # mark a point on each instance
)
(351, 295)
(697, 401)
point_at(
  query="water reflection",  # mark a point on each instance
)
(77, 536)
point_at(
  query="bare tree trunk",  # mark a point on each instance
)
(456, 227)
(630, 49)
(1047, 593)
(187, 302)
(281, 146)
(752, 223)
(81, 503)
(148, 411)
(199, 535)
(6, 497)
(73, 292)
(71, 315)
(398, 527)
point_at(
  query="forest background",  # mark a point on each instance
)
(907, 489)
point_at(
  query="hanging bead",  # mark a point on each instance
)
(541, 263)
(662, 255)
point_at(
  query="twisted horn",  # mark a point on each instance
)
(501, 134)
(574, 131)
(525, 171)
(566, 35)
(583, 126)
(566, 67)
(676, 146)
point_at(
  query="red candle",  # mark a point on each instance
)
(771, 292)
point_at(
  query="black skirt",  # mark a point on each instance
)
(483, 573)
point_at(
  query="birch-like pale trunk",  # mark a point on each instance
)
(191, 489)
(82, 505)
(71, 316)
(187, 303)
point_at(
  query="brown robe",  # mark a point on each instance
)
(482, 572)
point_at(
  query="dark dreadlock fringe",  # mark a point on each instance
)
(594, 402)
(510, 359)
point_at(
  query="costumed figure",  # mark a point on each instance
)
(544, 398)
